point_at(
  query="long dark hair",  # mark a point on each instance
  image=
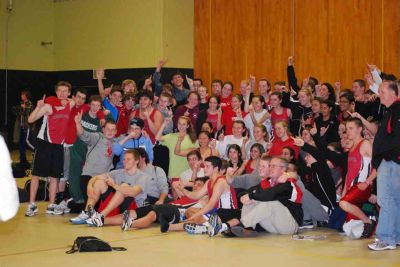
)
(237, 148)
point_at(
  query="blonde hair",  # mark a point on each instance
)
(308, 93)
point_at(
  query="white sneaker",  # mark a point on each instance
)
(380, 245)
(51, 208)
(64, 207)
(31, 210)
(80, 219)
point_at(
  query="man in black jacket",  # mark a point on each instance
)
(274, 204)
(386, 156)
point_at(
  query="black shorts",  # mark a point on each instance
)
(143, 211)
(48, 160)
(228, 214)
(105, 197)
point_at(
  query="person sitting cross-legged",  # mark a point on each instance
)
(116, 189)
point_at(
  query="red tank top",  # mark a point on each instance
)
(227, 200)
(354, 162)
(146, 124)
(248, 169)
(279, 117)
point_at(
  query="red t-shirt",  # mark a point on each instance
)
(278, 145)
(228, 118)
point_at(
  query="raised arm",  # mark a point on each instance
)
(40, 110)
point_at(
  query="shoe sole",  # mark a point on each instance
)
(307, 227)
(382, 249)
(78, 223)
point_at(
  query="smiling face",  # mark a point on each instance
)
(324, 92)
(63, 92)
(233, 155)
(182, 125)
(276, 168)
(226, 90)
(316, 106)
(263, 168)
(204, 140)
(257, 104)
(263, 87)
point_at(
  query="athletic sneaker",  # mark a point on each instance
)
(51, 208)
(58, 210)
(195, 229)
(31, 210)
(380, 245)
(307, 224)
(240, 231)
(215, 225)
(64, 206)
(98, 219)
(81, 218)
(127, 221)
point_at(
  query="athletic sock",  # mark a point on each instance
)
(224, 227)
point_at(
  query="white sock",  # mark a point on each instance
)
(224, 227)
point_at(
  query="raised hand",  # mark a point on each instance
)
(78, 117)
(161, 63)
(148, 81)
(41, 102)
(189, 81)
(371, 67)
(298, 141)
(100, 73)
(290, 61)
(337, 85)
(323, 130)
(187, 114)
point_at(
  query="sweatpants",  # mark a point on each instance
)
(273, 216)
(311, 205)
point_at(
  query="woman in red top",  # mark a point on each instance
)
(232, 114)
(152, 118)
(279, 113)
(212, 114)
(251, 165)
(281, 140)
(226, 95)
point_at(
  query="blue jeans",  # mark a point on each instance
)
(388, 181)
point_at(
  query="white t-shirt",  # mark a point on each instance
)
(187, 175)
(222, 146)
(250, 125)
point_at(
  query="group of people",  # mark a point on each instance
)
(272, 158)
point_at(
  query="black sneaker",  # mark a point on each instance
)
(240, 231)
(228, 233)
(369, 229)
(164, 224)
(307, 224)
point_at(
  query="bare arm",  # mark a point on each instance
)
(197, 194)
(218, 190)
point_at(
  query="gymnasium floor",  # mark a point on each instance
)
(42, 241)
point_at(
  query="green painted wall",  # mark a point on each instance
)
(90, 34)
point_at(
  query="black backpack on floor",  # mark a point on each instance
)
(91, 244)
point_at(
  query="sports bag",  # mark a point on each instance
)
(91, 244)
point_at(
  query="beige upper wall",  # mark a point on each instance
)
(90, 34)
(29, 23)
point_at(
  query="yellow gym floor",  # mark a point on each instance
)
(42, 241)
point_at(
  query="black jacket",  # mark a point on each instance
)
(387, 139)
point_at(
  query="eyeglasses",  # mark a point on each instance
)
(276, 166)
